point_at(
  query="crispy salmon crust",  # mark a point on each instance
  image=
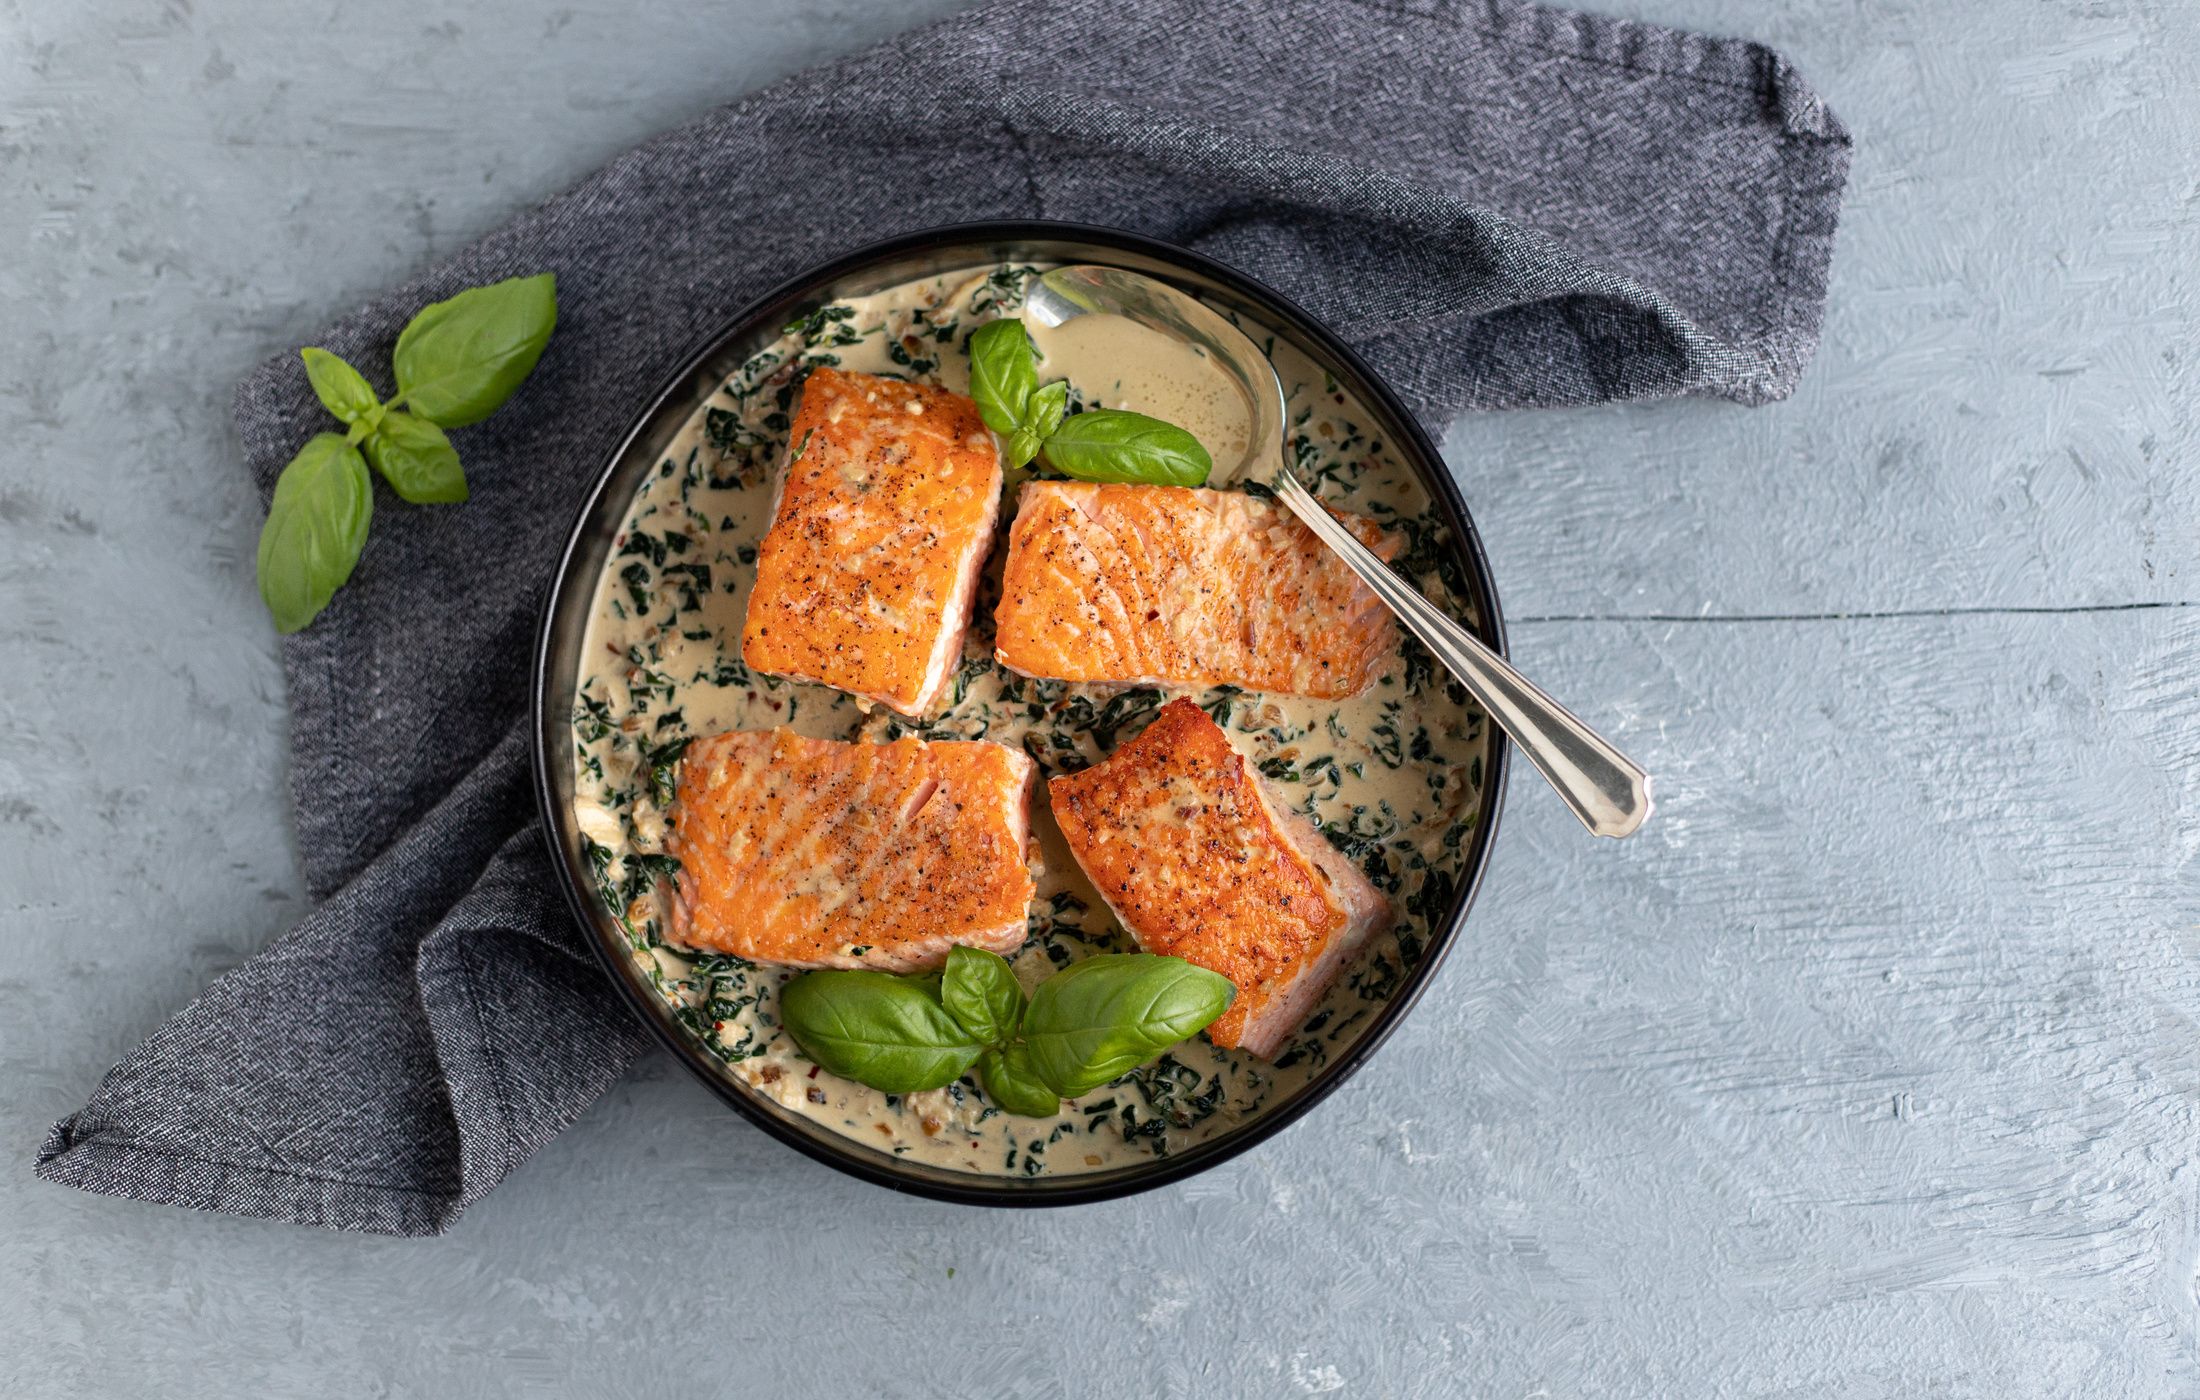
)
(866, 578)
(1177, 833)
(812, 853)
(1166, 585)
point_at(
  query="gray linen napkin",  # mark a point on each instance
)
(1499, 205)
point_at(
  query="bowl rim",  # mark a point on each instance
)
(548, 739)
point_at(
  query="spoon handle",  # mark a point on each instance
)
(1606, 790)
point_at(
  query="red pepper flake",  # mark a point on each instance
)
(813, 1071)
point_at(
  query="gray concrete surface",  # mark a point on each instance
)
(1870, 1070)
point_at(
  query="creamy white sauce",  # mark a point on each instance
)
(1117, 363)
(1394, 775)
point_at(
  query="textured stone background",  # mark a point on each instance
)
(1869, 1070)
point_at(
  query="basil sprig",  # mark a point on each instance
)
(456, 362)
(1100, 444)
(1086, 1025)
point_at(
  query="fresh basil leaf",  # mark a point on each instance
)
(877, 1029)
(316, 526)
(341, 389)
(1114, 444)
(1004, 373)
(417, 460)
(459, 359)
(1045, 408)
(1007, 1078)
(1104, 1017)
(981, 991)
(1022, 445)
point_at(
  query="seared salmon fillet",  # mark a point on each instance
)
(1166, 585)
(1177, 833)
(885, 510)
(813, 853)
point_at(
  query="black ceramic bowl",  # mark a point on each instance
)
(565, 619)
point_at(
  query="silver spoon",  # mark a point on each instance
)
(1606, 790)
